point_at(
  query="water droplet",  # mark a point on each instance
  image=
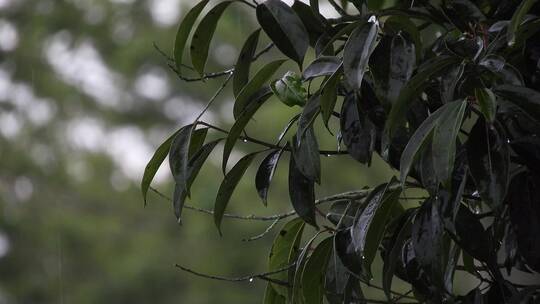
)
(245, 140)
(250, 280)
(508, 140)
(327, 155)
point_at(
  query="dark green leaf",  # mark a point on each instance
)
(272, 297)
(428, 241)
(245, 95)
(255, 102)
(226, 189)
(306, 155)
(266, 172)
(450, 81)
(289, 90)
(416, 141)
(308, 116)
(402, 62)
(322, 66)
(517, 19)
(194, 166)
(347, 253)
(202, 37)
(393, 256)
(154, 164)
(488, 154)
(284, 252)
(472, 237)
(526, 99)
(358, 132)
(402, 23)
(329, 95)
(346, 30)
(409, 93)
(487, 102)
(183, 32)
(356, 54)
(284, 28)
(313, 21)
(314, 271)
(296, 293)
(179, 155)
(302, 194)
(243, 63)
(369, 226)
(444, 139)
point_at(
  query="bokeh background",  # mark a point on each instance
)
(85, 99)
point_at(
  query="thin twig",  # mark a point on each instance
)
(223, 85)
(267, 144)
(261, 276)
(265, 232)
(351, 195)
(338, 8)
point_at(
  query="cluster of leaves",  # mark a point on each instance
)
(447, 93)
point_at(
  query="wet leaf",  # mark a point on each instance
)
(369, 226)
(487, 102)
(444, 139)
(329, 96)
(200, 43)
(358, 132)
(194, 166)
(411, 91)
(272, 297)
(402, 62)
(488, 154)
(302, 194)
(243, 63)
(356, 54)
(307, 157)
(284, 252)
(255, 102)
(526, 99)
(450, 81)
(266, 172)
(472, 237)
(226, 189)
(314, 272)
(322, 66)
(183, 32)
(347, 253)
(284, 28)
(179, 155)
(517, 19)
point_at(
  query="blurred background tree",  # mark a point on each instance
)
(85, 99)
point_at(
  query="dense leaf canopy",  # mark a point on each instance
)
(446, 93)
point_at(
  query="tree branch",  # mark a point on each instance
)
(261, 276)
(265, 232)
(350, 195)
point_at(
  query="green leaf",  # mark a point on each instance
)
(314, 22)
(200, 43)
(284, 28)
(444, 140)
(296, 293)
(229, 183)
(450, 81)
(322, 66)
(359, 134)
(488, 103)
(254, 85)
(416, 141)
(243, 63)
(314, 272)
(284, 252)
(306, 155)
(369, 226)
(272, 297)
(329, 95)
(289, 90)
(402, 62)
(309, 114)
(179, 155)
(154, 164)
(524, 98)
(356, 53)
(302, 194)
(264, 175)
(257, 100)
(345, 31)
(394, 255)
(517, 19)
(194, 166)
(402, 23)
(183, 32)
(489, 161)
(409, 93)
